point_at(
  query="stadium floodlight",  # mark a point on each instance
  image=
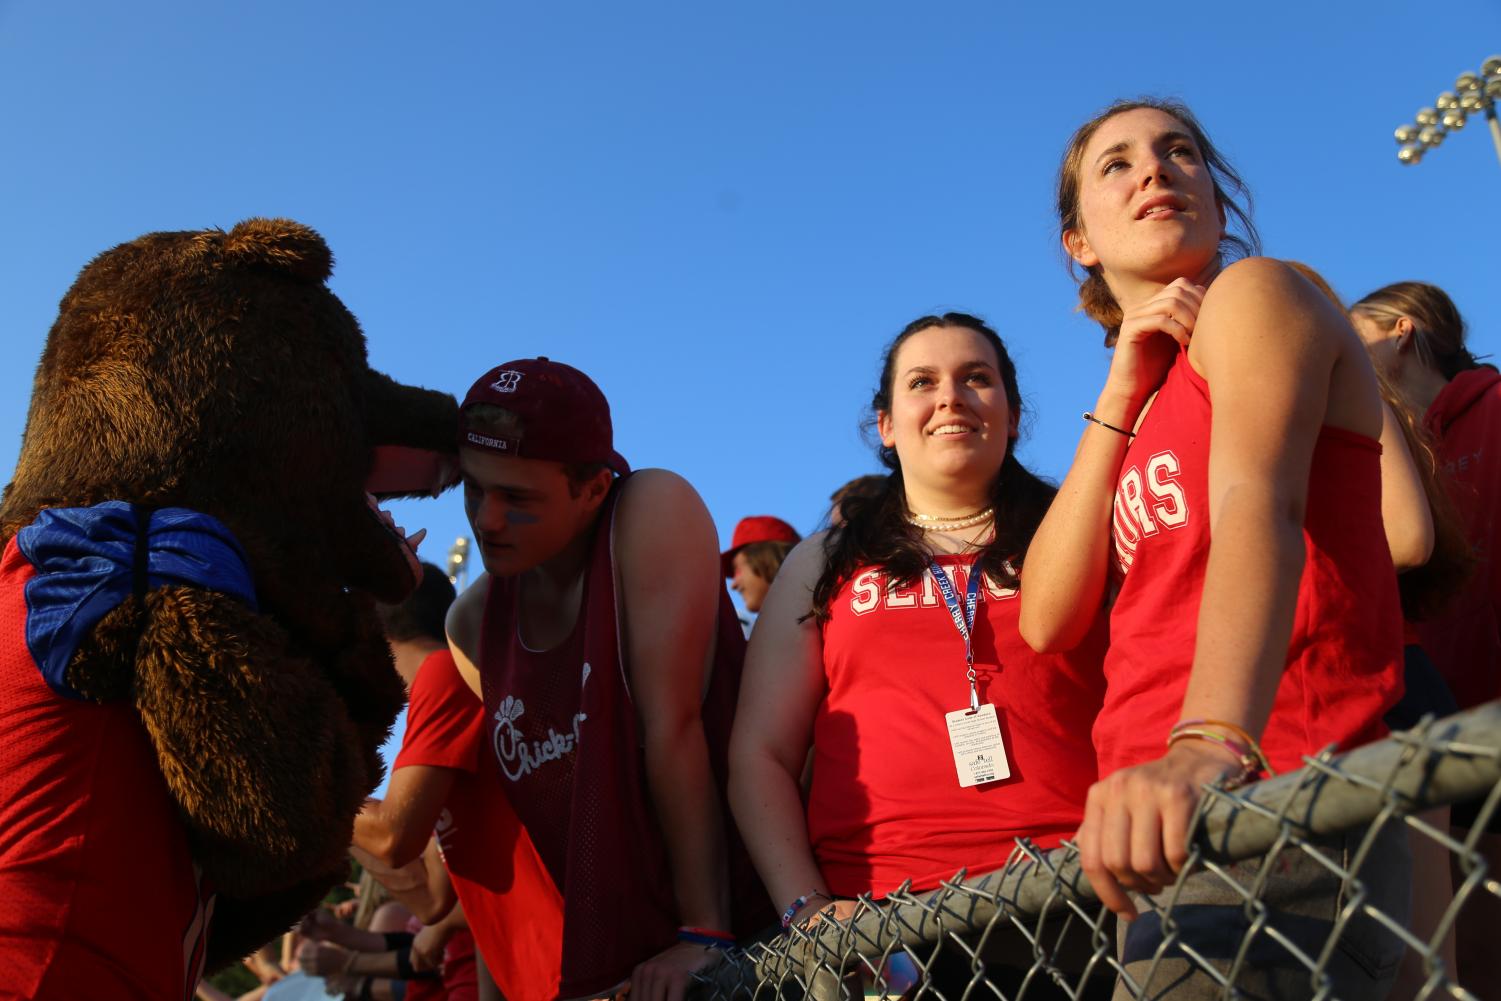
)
(1473, 93)
(458, 562)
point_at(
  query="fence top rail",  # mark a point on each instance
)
(1437, 763)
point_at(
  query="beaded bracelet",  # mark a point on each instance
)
(797, 905)
(1262, 764)
(706, 937)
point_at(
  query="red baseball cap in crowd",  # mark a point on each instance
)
(756, 528)
(564, 416)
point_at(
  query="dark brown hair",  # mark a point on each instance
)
(876, 532)
(764, 559)
(861, 486)
(422, 614)
(1438, 328)
(1095, 298)
(1424, 589)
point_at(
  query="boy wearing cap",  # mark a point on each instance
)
(757, 550)
(603, 645)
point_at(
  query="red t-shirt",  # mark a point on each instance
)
(459, 980)
(1465, 639)
(98, 894)
(460, 976)
(1344, 660)
(514, 911)
(886, 804)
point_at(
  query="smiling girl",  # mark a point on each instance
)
(921, 766)
(1256, 616)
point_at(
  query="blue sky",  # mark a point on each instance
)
(721, 212)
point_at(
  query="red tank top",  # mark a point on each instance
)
(565, 736)
(886, 804)
(1344, 661)
(98, 894)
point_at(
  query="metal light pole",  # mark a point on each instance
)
(1473, 92)
(458, 563)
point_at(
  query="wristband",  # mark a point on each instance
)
(797, 905)
(1091, 417)
(706, 937)
(404, 969)
(398, 940)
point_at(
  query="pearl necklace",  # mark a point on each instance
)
(932, 523)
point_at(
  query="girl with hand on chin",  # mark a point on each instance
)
(890, 645)
(1227, 489)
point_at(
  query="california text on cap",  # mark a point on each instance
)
(563, 415)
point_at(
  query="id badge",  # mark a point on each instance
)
(979, 753)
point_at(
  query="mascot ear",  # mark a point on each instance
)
(282, 245)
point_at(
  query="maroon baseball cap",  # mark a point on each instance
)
(564, 416)
(756, 528)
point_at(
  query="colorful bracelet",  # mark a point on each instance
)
(1262, 764)
(706, 937)
(1248, 769)
(797, 905)
(1091, 417)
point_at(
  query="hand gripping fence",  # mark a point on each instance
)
(1034, 929)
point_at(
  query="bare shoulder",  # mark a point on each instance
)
(1258, 302)
(660, 515)
(785, 611)
(464, 626)
(1258, 284)
(656, 497)
(806, 561)
(661, 519)
(466, 613)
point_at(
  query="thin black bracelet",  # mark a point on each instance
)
(1091, 417)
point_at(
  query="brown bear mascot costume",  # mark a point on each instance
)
(193, 683)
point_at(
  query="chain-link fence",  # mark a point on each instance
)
(1298, 886)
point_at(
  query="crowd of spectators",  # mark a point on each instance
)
(601, 786)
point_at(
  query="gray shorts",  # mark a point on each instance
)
(1301, 901)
